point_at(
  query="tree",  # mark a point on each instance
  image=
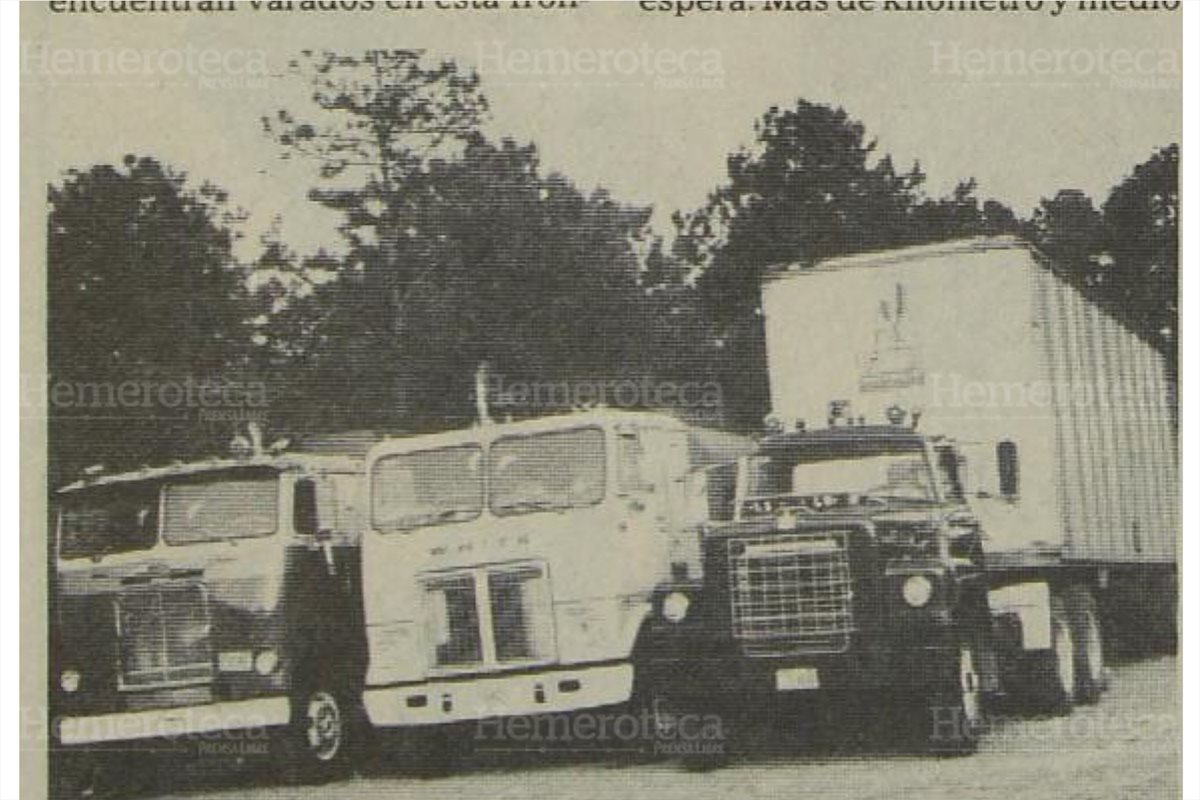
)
(528, 274)
(811, 188)
(961, 214)
(1141, 222)
(461, 252)
(381, 121)
(146, 302)
(1124, 255)
(1070, 230)
(519, 271)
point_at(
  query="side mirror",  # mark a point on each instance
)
(953, 468)
(1009, 464)
(306, 513)
(720, 492)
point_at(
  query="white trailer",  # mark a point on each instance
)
(986, 345)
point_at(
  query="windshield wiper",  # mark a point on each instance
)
(449, 515)
(900, 499)
(421, 520)
(520, 506)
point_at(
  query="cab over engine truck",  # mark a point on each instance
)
(975, 485)
(210, 605)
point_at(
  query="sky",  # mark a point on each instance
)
(645, 104)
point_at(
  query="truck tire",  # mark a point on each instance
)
(316, 744)
(953, 715)
(671, 738)
(1088, 638)
(1048, 681)
(96, 773)
(74, 776)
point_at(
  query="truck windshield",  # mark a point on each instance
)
(548, 471)
(410, 490)
(898, 477)
(109, 520)
(238, 506)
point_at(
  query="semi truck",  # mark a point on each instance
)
(968, 488)
(210, 605)
(281, 606)
(510, 569)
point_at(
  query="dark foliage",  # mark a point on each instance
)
(461, 252)
(1124, 254)
(811, 188)
(146, 307)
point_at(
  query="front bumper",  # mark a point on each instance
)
(824, 600)
(473, 698)
(914, 665)
(893, 648)
(260, 713)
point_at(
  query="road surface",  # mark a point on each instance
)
(1128, 746)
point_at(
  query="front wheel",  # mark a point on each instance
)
(104, 773)
(953, 716)
(74, 776)
(317, 741)
(681, 729)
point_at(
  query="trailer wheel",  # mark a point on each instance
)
(1049, 675)
(1086, 632)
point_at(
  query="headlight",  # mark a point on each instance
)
(918, 591)
(69, 681)
(265, 662)
(675, 606)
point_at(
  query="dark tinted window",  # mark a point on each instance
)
(521, 614)
(1010, 469)
(108, 520)
(453, 623)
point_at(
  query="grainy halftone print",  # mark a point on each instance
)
(659, 399)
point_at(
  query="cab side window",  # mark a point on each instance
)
(1009, 466)
(306, 519)
(633, 469)
(722, 492)
(950, 469)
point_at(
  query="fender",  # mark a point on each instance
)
(1030, 602)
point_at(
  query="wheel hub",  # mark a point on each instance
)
(1064, 653)
(1095, 651)
(972, 706)
(324, 726)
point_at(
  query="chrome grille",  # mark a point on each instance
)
(791, 594)
(164, 638)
